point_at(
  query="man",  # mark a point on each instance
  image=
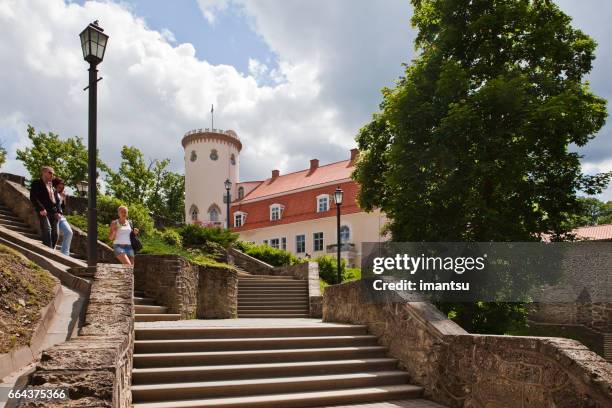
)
(47, 206)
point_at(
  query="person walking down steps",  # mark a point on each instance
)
(64, 225)
(121, 235)
(47, 207)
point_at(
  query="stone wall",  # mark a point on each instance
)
(205, 292)
(17, 198)
(169, 279)
(96, 366)
(218, 294)
(248, 263)
(459, 369)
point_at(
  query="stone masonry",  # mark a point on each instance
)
(459, 369)
(218, 294)
(96, 366)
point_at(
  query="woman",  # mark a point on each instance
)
(63, 225)
(120, 231)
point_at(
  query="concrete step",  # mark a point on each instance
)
(274, 316)
(278, 295)
(267, 277)
(14, 223)
(176, 333)
(258, 283)
(6, 211)
(5, 217)
(143, 301)
(261, 343)
(150, 309)
(279, 311)
(256, 356)
(273, 302)
(139, 293)
(272, 308)
(250, 387)
(244, 371)
(156, 317)
(22, 229)
(295, 400)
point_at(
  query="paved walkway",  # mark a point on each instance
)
(415, 403)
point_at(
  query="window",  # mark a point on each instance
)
(322, 203)
(300, 244)
(193, 212)
(284, 243)
(317, 241)
(214, 155)
(265, 242)
(213, 215)
(233, 159)
(276, 211)
(194, 156)
(240, 193)
(345, 234)
(239, 218)
(274, 243)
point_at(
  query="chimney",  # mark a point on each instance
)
(354, 155)
(275, 174)
(314, 164)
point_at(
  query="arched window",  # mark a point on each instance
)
(213, 213)
(214, 155)
(240, 193)
(345, 234)
(193, 213)
(233, 159)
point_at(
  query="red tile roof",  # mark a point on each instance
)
(286, 183)
(594, 232)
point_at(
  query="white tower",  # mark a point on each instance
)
(211, 157)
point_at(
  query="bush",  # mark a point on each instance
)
(267, 254)
(329, 273)
(80, 222)
(195, 235)
(137, 213)
(172, 237)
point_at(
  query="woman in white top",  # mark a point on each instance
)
(120, 231)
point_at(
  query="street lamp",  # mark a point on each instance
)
(338, 200)
(228, 186)
(81, 187)
(93, 44)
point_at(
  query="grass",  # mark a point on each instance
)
(155, 245)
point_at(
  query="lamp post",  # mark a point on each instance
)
(93, 44)
(338, 200)
(81, 187)
(228, 186)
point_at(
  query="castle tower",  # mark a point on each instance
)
(211, 157)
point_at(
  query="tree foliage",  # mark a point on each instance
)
(2, 154)
(68, 157)
(152, 184)
(473, 142)
(594, 212)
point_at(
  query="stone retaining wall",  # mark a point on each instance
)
(459, 369)
(205, 292)
(17, 198)
(96, 366)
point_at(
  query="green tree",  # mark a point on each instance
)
(68, 157)
(593, 212)
(2, 154)
(133, 182)
(168, 194)
(472, 144)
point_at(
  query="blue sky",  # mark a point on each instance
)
(296, 79)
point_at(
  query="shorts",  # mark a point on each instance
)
(123, 249)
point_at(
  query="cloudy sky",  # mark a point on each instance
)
(296, 79)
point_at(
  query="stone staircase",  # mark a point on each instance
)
(607, 348)
(266, 296)
(146, 310)
(277, 365)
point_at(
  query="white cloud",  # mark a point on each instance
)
(210, 9)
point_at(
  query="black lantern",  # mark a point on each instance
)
(81, 187)
(338, 196)
(93, 43)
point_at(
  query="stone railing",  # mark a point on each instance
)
(249, 263)
(96, 366)
(186, 288)
(17, 198)
(459, 369)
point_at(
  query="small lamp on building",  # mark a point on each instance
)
(338, 196)
(228, 186)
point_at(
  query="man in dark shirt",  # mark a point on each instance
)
(47, 205)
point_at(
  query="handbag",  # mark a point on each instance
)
(134, 240)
